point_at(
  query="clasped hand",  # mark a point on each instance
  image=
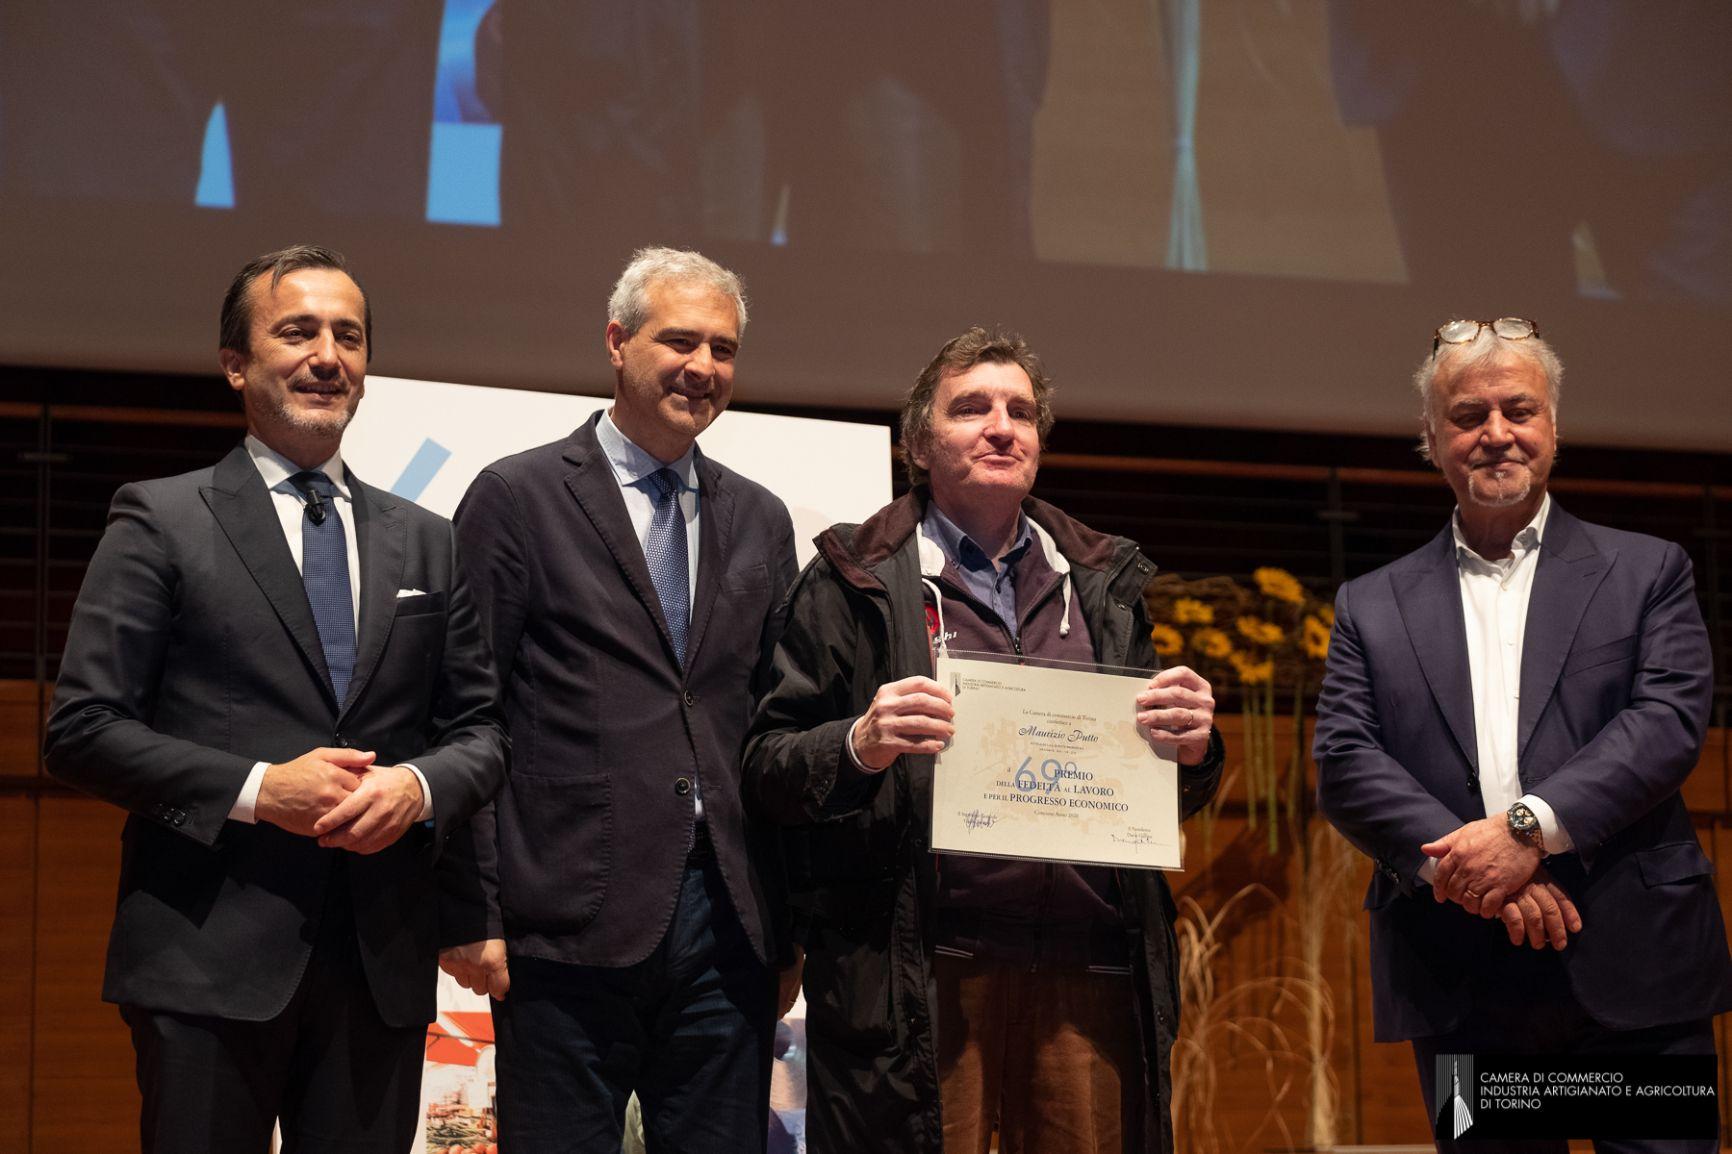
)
(340, 797)
(1484, 869)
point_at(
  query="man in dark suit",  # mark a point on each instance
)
(627, 581)
(279, 672)
(1507, 719)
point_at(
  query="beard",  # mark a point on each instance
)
(1500, 490)
(321, 422)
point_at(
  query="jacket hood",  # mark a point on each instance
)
(856, 550)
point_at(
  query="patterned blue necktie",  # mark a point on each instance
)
(665, 551)
(325, 572)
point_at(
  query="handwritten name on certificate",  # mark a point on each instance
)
(1049, 764)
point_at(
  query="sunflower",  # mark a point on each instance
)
(1316, 638)
(1212, 642)
(1260, 632)
(1253, 672)
(1168, 641)
(1279, 584)
(1190, 611)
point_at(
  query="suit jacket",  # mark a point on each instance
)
(580, 858)
(1616, 681)
(193, 654)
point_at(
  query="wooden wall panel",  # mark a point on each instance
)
(17, 907)
(18, 702)
(86, 1098)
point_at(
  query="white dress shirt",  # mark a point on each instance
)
(1494, 609)
(276, 470)
(632, 468)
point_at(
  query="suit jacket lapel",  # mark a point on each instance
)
(1429, 597)
(715, 536)
(242, 506)
(379, 539)
(1568, 573)
(596, 490)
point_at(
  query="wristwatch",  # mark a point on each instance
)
(1524, 826)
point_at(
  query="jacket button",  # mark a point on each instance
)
(682, 785)
(691, 698)
(340, 742)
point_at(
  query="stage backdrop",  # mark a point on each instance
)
(426, 442)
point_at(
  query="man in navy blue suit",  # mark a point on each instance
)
(625, 917)
(1507, 719)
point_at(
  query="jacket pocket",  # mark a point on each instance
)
(419, 604)
(746, 579)
(1672, 863)
(850, 994)
(1623, 649)
(555, 851)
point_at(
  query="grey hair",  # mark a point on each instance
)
(1485, 350)
(628, 304)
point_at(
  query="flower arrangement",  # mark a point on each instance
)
(1267, 639)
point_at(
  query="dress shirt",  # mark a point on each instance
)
(1494, 609)
(276, 470)
(633, 468)
(990, 582)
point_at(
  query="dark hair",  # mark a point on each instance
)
(237, 316)
(974, 347)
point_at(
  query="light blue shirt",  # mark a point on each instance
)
(632, 468)
(992, 585)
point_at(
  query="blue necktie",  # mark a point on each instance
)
(325, 572)
(665, 551)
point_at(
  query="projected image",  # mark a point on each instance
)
(1560, 145)
(324, 104)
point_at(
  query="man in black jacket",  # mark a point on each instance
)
(279, 672)
(627, 580)
(950, 995)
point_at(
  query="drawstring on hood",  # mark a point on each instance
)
(932, 564)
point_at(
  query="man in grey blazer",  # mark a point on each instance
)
(623, 916)
(1508, 716)
(279, 672)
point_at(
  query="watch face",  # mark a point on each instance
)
(1522, 819)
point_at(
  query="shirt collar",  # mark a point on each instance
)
(1526, 540)
(961, 549)
(276, 469)
(632, 464)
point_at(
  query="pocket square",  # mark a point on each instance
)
(402, 593)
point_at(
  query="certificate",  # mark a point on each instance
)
(1048, 763)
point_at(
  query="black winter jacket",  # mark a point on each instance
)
(860, 874)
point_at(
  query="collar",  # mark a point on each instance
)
(276, 469)
(962, 549)
(1525, 541)
(933, 553)
(632, 464)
